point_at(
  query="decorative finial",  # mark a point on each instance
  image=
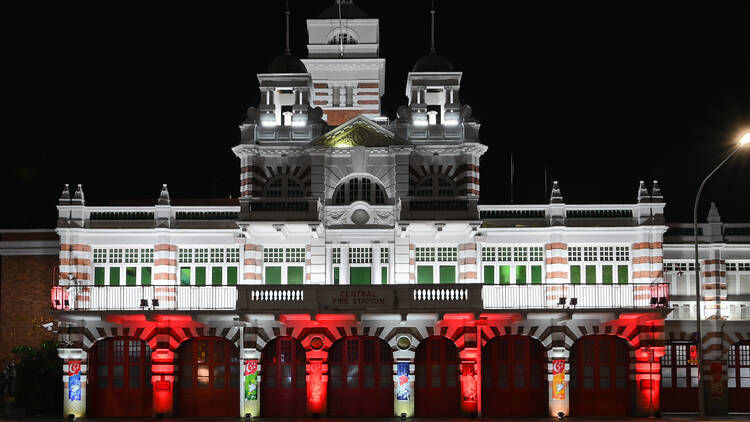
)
(556, 196)
(432, 28)
(713, 214)
(287, 50)
(65, 195)
(656, 195)
(643, 195)
(78, 196)
(164, 196)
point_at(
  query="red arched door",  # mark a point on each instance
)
(437, 389)
(209, 378)
(283, 387)
(599, 376)
(738, 377)
(360, 377)
(120, 378)
(514, 377)
(679, 379)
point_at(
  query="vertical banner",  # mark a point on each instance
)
(251, 380)
(402, 371)
(558, 380)
(74, 380)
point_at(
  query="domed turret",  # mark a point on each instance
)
(286, 63)
(432, 62)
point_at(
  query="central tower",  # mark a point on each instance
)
(348, 76)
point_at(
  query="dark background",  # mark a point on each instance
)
(124, 97)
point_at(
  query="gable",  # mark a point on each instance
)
(359, 131)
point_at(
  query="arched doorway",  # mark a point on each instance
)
(599, 376)
(283, 387)
(679, 379)
(360, 377)
(514, 377)
(738, 377)
(437, 388)
(209, 378)
(119, 378)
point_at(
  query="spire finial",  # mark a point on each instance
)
(164, 196)
(432, 28)
(65, 195)
(643, 195)
(556, 196)
(287, 50)
(78, 197)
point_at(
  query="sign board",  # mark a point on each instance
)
(693, 360)
(558, 380)
(356, 298)
(74, 380)
(251, 380)
(403, 381)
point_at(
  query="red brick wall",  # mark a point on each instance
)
(24, 301)
(337, 117)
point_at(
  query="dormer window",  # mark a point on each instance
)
(359, 189)
(342, 38)
(286, 115)
(433, 114)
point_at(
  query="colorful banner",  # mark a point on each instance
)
(74, 380)
(558, 380)
(251, 380)
(403, 381)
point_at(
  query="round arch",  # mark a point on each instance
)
(359, 187)
(283, 386)
(208, 369)
(738, 376)
(514, 367)
(344, 35)
(599, 367)
(119, 378)
(437, 390)
(435, 185)
(360, 377)
(283, 186)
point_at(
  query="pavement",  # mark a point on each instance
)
(674, 418)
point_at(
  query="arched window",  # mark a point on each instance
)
(283, 186)
(342, 38)
(435, 185)
(359, 189)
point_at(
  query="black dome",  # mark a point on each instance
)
(286, 63)
(432, 63)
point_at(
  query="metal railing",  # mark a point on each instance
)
(143, 298)
(576, 296)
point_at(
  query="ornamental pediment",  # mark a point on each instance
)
(359, 131)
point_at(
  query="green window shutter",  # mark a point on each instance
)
(335, 275)
(114, 276)
(200, 276)
(216, 276)
(489, 274)
(575, 274)
(131, 274)
(447, 274)
(99, 276)
(145, 276)
(295, 275)
(622, 274)
(424, 274)
(606, 274)
(591, 274)
(536, 274)
(273, 275)
(185, 276)
(504, 271)
(521, 274)
(383, 275)
(231, 276)
(359, 275)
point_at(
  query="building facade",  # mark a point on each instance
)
(356, 275)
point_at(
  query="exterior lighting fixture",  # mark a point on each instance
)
(744, 139)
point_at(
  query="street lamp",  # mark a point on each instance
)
(745, 139)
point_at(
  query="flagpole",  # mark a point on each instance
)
(511, 178)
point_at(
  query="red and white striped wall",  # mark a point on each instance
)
(714, 281)
(647, 262)
(253, 265)
(556, 262)
(165, 273)
(467, 263)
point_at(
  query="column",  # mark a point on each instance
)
(375, 272)
(470, 359)
(400, 256)
(558, 377)
(253, 264)
(467, 263)
(403, 380)
(344, 266)
(249, 382)
(162, 380)
(317, 382)
(74, 380)
(714, 281)
(648, 379)
(556, 272)
(165, 273)
(329, 263)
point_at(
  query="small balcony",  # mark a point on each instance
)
(144, 298)
(576, 296)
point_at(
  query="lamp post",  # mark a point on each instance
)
(745, 139)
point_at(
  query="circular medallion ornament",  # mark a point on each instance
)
(403, 343)
(316, 343)
(360, 217)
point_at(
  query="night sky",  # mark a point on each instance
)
(602, 95)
